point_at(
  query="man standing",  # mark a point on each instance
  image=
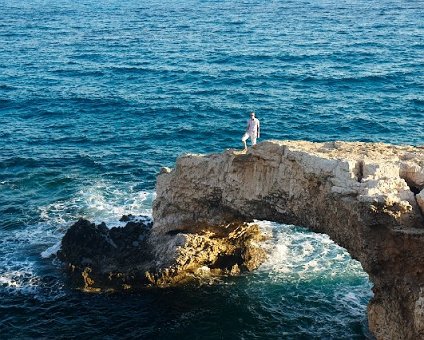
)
(252, 130)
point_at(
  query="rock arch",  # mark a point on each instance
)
(368, 197)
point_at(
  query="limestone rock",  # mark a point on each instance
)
(214, 251)
(368, 197)
(419, 314)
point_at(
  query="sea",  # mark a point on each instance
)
(97, 96)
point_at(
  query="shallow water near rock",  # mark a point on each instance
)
(95, 98)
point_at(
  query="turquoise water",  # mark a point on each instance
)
(96, 97)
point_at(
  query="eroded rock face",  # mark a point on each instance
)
(420, 200)
(367, 197)
(208, 253)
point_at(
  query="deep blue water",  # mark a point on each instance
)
(96, 96)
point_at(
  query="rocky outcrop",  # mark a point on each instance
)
(102, 259)
(206, 253)
(99, 258)
(368, 198)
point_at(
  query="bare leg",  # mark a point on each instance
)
(245, 145)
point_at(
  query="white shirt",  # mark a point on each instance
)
(253, 126)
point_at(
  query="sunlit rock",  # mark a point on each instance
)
(368, 197)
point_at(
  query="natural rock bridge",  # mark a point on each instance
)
(368, 198)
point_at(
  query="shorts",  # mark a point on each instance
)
(252, 137)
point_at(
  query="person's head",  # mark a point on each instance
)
(252, 115)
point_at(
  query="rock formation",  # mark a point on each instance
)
(102, 259)
(368, 198)
(99, 258)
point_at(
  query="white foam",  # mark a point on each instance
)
(100, 202)
(298, 254)
(19, 277)
(351, 301)
(51, 250)
(10, 279)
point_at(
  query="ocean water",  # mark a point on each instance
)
(96, 96)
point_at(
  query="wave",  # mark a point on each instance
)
(78, 72)
(366, 78)
(417, 101)
(50, 251)
(98, 101)
(99, 202)
(297, 254)
(159, 70)
(4, 102)
(44, 162)
(7, 87)
(19, 162)
(21, 271)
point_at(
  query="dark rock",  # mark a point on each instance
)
(99, 258)
(126, 218)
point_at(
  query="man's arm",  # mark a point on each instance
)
(259, 129)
